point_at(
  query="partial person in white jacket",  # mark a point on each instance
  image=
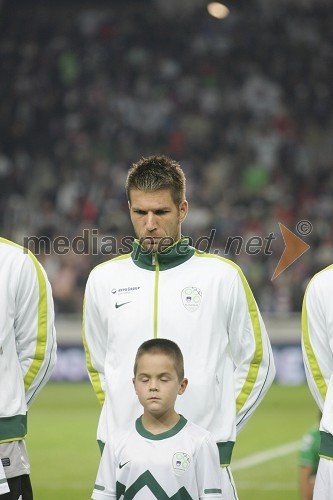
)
(317, 343)
(166, 288)
(27, 358)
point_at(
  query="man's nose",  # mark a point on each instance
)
(151, 221)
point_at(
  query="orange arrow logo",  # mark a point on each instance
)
(294, 248)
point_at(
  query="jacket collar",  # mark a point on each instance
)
(172, 256)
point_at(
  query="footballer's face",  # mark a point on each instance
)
(157, 384)
(156, 218)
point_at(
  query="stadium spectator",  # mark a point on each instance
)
(244, 103)
(308, 462)
(165, 288)
(27, 358)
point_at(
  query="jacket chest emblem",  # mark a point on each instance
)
(191, 298)
(181, 461)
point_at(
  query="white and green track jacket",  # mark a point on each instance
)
(203, 303)
(317, 344)
(27, 336)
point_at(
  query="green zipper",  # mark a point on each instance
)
(157, 275)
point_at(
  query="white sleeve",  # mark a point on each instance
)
(207, 470)
(94, 338)
(317, 351)
(4, 488)
(34, 326)
(105, 485)
(250, 349)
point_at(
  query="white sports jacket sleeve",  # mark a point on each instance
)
(27, 336)
(250, 349)
(34, 327)
(317, 344)
(95, 340)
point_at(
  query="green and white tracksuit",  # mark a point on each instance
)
(181, 463)
(203, 303)
(317, 344)
(309, 451)
(27, 337)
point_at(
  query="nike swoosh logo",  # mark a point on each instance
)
(122, 304)
(123, 465)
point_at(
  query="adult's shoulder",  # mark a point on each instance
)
(322, 281)
(11, 248)
(111, 265)
(15, 255)
(217, 262)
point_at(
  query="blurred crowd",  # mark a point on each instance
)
(244, 104)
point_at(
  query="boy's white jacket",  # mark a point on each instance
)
(317, 344)
(27, 336)
(204, 304)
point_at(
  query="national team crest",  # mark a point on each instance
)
(180, 462)
(191, 297)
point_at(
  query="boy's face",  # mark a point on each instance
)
(156, 218)
(157, 385)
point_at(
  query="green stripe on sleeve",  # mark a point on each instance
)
(42, 326)
(254, 315)
(313, 363)
(258, 353)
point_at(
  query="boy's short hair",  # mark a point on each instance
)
(162, 346)
(157, 172)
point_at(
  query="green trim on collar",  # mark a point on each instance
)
(164, 435)
(172, 256)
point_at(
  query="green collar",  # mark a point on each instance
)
(164, 435)
(173, 256)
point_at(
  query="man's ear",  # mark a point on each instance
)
(183, 208)
(182, 386)
(133, 380)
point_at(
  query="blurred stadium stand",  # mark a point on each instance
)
(244, 103)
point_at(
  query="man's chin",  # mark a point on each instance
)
(156, 245)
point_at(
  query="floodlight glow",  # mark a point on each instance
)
(218, 10)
